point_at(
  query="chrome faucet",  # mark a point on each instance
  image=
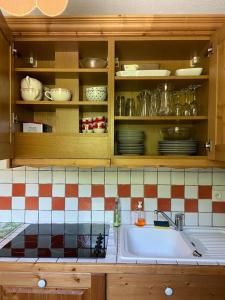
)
(179, 220)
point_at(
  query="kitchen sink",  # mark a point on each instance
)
(153, 243)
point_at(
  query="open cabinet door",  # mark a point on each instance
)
(5, 90)
(217, 97)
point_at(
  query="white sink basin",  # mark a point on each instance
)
(153, 243)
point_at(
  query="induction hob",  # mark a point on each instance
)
(59, 240)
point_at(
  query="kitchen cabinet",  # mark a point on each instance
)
(57, 51)
(63, 286)
(158, 287)
(58, 66)
(5, 95)
(217, 95)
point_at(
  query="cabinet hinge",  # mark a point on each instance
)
(14, 51)
(208, 146)
(210, 51)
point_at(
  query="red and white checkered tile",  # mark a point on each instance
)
(84, 195)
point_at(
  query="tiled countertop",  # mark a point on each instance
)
(112, 256)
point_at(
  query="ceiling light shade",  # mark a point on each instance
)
(21, 8)
(52, 8)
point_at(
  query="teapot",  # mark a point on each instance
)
(29, 82)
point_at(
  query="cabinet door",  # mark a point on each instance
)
(5, 87)
(217, 97)
(59, 286)
(162, 287)
(46, 294)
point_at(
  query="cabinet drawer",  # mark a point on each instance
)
(50, 145)
(155, 287)
(53, 280)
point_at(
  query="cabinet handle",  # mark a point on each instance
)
(42, 283)
(168, 291)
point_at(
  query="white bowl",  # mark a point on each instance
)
(31, 94)
(189, 72)
(96, 93)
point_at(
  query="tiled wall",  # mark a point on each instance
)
(83, 195)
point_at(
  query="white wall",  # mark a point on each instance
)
(98, 7)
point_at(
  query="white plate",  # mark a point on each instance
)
(141, 151)
(130, 141)
(131, 148)
(130, 145)
(189, 72)
(144, 73)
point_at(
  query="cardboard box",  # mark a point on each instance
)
(36, 127)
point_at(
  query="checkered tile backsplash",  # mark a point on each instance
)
(74, 195)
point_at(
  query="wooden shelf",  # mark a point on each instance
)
(54, 134)
(164, 78)
(61, 103)
(141, 161)
(82, 163)
(160, 118)
(61, 70)
(92, 103)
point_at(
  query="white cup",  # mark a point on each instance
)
(31, 94)
(58, 94)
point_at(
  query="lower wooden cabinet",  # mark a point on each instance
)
(52, 286)
(158, 287)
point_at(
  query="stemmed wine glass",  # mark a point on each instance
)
(194, 104)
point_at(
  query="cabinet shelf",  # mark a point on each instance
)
(164, 78)
(61, 70)
(56, 104)
(160, 118)
(124, 161)
(53, 135)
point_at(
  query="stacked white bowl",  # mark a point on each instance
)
(31, 89)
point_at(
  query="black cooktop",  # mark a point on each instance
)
(58, 241)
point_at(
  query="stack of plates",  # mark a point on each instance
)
(130, 142)
(178, 147)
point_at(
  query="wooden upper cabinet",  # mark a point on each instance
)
(5, 87)
(217, 97)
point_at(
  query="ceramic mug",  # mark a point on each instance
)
(86, 120)
(99, 119)
(58, 94)
(99, 127)
(87, 127)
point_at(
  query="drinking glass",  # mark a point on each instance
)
(186, 107)
(154, 103)
(193, 102)
(143, 103)
(130, 107)
(178, 107)
(120, 106)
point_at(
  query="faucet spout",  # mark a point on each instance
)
(174, 225)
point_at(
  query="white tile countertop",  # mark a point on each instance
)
(211, 239)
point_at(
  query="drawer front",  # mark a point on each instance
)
(52, 280)
(158, 287)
